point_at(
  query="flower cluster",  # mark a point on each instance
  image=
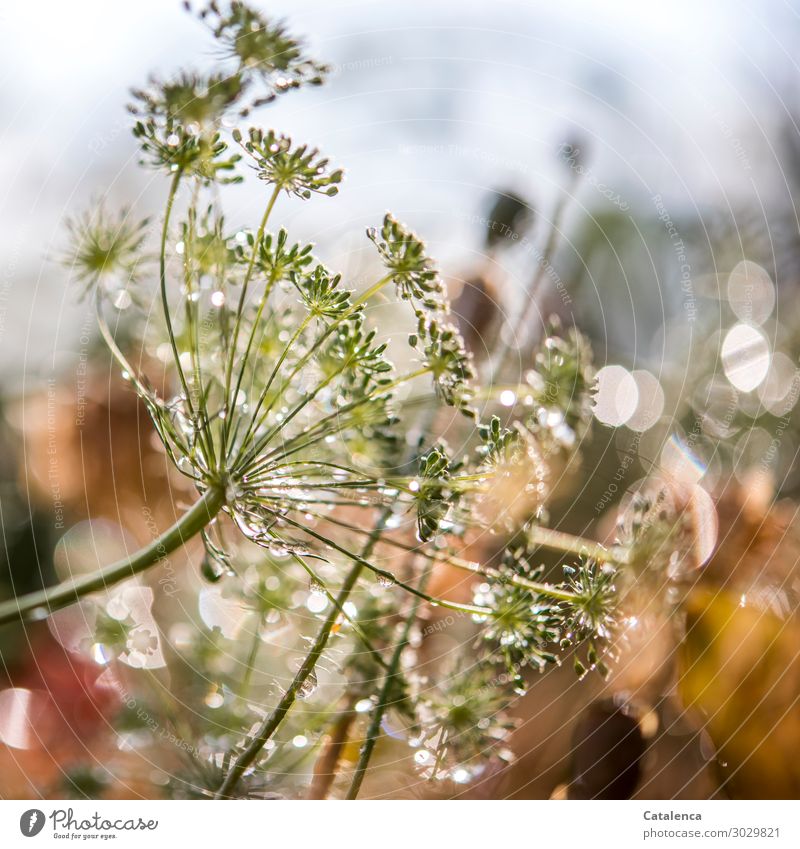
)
(104, 247)
(404, 255)
(262, 48)
(299, 170)
(536, 619)
(560, 386)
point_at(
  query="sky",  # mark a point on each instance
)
(429, 107)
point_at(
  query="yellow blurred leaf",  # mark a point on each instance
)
(740, 670)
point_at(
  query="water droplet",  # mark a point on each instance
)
(386, 580)
(211, 569)
(122, 300)
(308, 687)
(101, 654)
(215, 699)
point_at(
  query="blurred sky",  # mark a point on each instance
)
(431, 104)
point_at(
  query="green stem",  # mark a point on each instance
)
(271, 723)
(173, 190)
(392, 579)
(354, 307)
(253, 425)
(250, 663)
(39, 604)
(374, 729)
(192, 311)
(319, 430)
(357, 629)
(550, 590)
(239, 310)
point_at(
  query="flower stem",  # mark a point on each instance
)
(271, 723)
(384, 699)
(39, 604)
(162, 277)
(390, 578)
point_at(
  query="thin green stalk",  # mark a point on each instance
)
(39, 604)
(173, 190)
(251, 338)
(357, 629)
(374, 289)
(193, 323)
(369, 293)
(250, 663)
(466, 565)
(384, 698)
(252, 426)
(273, 721)
(321, 426)
(392, 579)
(144, 393)
(239, 311)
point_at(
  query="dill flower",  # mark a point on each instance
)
(413, 272)
(104, 247)
(296, 170)
(261, 47)
(463, 724)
